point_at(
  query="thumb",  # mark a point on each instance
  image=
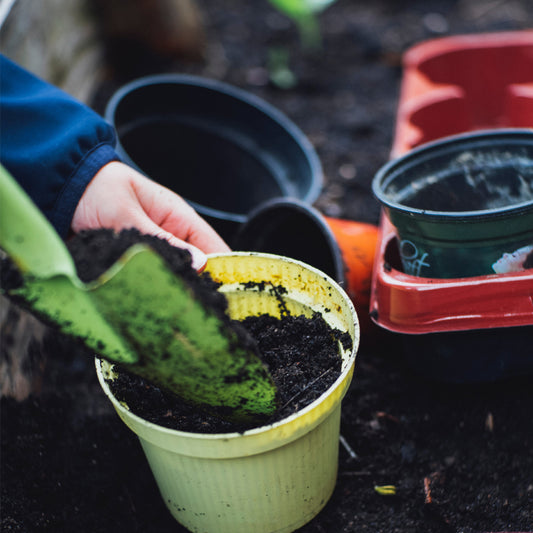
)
(199, 258)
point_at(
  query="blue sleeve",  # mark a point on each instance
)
(52, 144)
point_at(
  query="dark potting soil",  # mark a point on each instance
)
(301, 353)
(302, 357)
(473, 182)
(95, 251)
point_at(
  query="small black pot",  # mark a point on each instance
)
(291, 228)
(224, 150)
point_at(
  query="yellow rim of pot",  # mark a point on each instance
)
(306, 286)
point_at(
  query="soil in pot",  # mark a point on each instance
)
(284, 344)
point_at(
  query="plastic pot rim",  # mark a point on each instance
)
(429, 150)
(236, 93)
(313, 214)
(440, 46)
(333, 394)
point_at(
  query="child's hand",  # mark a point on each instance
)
(119, 197)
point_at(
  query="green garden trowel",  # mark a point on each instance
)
(138, 314)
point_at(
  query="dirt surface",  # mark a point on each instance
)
(459, 456)
(300, 353)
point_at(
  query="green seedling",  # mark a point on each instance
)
(137, 314)
(279, 69)
(304, 13)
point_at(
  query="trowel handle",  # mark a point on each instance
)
(27, 236)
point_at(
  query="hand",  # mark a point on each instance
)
(119, 197)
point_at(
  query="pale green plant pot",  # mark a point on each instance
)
(274, 478)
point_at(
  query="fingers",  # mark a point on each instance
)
(119, 197)
(195, 230)
(148, 227)
(175, 216)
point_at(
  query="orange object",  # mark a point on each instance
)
(463, 83)
(357, 242)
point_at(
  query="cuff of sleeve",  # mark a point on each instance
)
(77, 183)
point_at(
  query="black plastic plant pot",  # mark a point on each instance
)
(293, 229)
(462, 206)
(221, 148)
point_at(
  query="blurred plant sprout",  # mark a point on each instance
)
(304, 14)
(279, 70)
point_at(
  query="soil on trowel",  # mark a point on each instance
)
(300, 352)
(94, 251)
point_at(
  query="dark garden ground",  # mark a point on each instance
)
(460, 457)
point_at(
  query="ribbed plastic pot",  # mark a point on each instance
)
(274, 478)
(462, 205)
(222, 148)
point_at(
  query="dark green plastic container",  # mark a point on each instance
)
(462, 206)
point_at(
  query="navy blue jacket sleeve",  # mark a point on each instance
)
(51, 144)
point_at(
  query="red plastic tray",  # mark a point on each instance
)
(463, 83)
(414, 305)
(453, 85)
